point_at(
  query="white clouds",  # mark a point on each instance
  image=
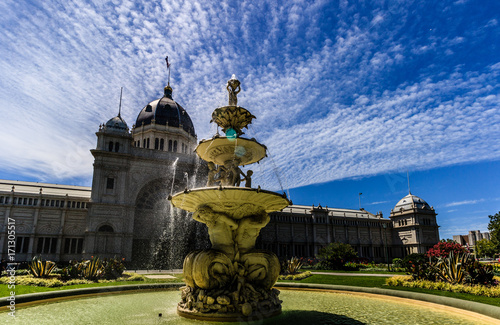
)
(337, 92)
(453, 204)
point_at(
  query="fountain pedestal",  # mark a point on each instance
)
(232, 281)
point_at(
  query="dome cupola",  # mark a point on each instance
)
(165, 111)
(411, 202)
(116, 125)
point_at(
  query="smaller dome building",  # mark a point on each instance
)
(414, 222)
(117, 124)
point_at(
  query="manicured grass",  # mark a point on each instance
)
(370, 270)
(357, 281)
(20, 290)
(379, 282)
(23, 289)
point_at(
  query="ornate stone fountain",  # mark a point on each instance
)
(232, 281)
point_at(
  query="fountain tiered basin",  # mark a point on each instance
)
(231, 281)
(222, 149)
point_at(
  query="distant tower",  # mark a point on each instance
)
(415, 228)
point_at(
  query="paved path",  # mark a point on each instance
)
(170, 271)
(160, 276)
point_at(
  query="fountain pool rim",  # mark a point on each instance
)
(433, 300)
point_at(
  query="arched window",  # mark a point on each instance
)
(110, 146)
(175, 146)
(157, 143)
(144, 143)
(162, 143)
(117, 146)
(170, 145)
(147, 146)
(105, 228)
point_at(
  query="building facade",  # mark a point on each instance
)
(469, 240)
(126, 212)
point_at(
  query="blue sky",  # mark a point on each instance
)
(349, 95)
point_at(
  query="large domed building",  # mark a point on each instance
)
(134, 173)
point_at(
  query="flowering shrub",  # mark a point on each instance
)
(478, 290)
(418, 266)
(479, 273)
(72, 271)
(309, 262)
(350, 266)
(295, 277)
(93, 269)
(113, 268)
(55, 281)
(443, 249)
(335, 255)
(459, 268)
(496, 268)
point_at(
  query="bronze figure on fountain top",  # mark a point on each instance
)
(233, 87)
(232, 116)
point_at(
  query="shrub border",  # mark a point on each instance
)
(484, 309)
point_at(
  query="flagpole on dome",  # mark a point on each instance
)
(168, 89)
(120, 107)
(408, 177)
(168, 68)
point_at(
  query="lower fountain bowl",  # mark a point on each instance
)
(299, 307)
(228, 199)
(227, 317)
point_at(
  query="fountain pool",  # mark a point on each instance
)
(302, 307)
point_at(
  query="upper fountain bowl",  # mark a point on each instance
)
(232, 117)
(222, 149)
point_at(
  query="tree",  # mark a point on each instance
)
(494, 228)
(444, 247)
(484, 248)
(335, 255)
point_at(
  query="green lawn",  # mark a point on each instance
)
(379, 282)
(357, 281)
(369, 270)
(23, 289)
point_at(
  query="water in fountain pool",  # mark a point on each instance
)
(301, 307)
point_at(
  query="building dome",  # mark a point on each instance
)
(165, 111)
(116, 124)
(411, 201)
